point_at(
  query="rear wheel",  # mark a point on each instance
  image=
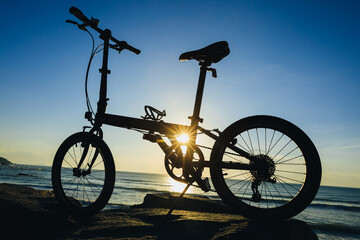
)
(83, 190)
(284, 171)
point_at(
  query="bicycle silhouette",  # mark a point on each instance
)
(262, 167)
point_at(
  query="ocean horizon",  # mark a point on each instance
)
(334, 213)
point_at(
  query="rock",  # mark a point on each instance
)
(188, 202)
(29, 212)
(4, 161)
(35, 214)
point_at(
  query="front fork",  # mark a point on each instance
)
(86, 145)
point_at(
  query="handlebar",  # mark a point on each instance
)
(93, 23)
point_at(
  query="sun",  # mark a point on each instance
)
(183, 138)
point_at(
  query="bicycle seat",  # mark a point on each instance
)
(212, 53)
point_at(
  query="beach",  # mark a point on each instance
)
(334, 214)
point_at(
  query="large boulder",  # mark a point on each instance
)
(26, 213)
(29, 212)
(188, 202)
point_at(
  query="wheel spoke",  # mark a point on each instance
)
(281, 182)
(91, 186)
(68, 163)
(86, 191)
(238, 175)
(97, 163)
(266, 199)
(278, 176)
(239, 181)
(282, 148)
(248, 148)
(272, 137)
(271, 194)
(265, 142)
(72, 158)
(71, 183)
(287, 154)
(291, 172)
(278, 192)
(250, 143)
(246, 189)
(257, 136)
(74, 154)
(247, 182)
(282, 162)
(275, 144)
(96, 177)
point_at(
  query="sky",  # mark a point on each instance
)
(298, 60)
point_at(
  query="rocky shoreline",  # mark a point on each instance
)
(35, 214)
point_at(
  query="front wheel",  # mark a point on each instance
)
(83, 190)
(282, 174)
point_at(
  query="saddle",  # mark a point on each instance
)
(212, 53)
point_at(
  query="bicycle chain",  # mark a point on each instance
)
(234, 154)
(209, 148)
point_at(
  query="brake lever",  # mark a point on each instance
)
(80, 26)
(95, 21)
(71, 21)
(118, 46)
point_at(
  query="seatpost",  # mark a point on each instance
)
(102, 103)
(195, 119)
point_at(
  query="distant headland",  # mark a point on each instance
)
(4, 161)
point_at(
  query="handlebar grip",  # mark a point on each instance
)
(77, 13)
(134, 50)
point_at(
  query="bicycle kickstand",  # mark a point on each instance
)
(179, 198)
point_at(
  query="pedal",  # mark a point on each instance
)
(204, 184)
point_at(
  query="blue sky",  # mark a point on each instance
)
(298, 60)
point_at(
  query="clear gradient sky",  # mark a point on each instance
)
(299, 60)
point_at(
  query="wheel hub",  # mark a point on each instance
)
(78, 173)
(265, 168)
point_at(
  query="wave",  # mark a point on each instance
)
(140, 182)
(336, 206)
(337, 200)
(140, 189)
(27, 167)
(116, 206)
(336, 228)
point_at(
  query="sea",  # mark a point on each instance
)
(334, 213)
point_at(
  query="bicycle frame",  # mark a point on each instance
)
(168, 129)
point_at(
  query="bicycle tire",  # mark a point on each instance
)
(282, 193)
(83, 194)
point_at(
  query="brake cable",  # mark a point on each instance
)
(92, 55)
